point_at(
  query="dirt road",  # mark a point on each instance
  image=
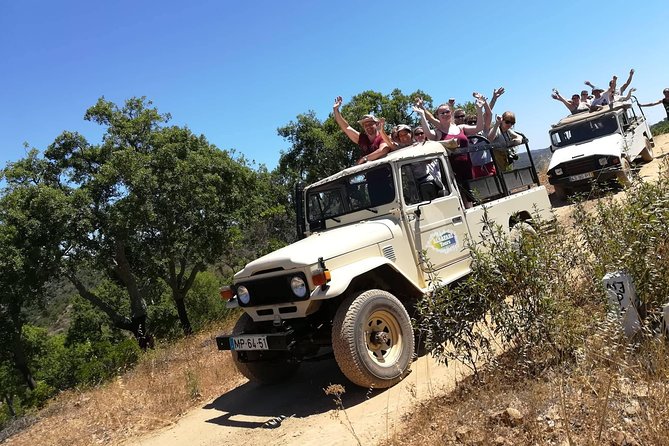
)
(237, 417)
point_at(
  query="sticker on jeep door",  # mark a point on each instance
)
(443, 241)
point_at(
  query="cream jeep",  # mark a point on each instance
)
(348, 287)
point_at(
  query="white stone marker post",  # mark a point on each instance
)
(623, 298)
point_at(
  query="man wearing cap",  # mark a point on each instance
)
(371, 142)
(403, 137)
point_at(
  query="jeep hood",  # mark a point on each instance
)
(607, 145)
(327, 244)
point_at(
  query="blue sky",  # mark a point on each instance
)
(236, 71)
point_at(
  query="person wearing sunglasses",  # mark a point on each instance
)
(444, 126)
(419, 134)
(503, 139)
(371, 142)
(459, 116)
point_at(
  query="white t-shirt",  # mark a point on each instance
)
(602, 100)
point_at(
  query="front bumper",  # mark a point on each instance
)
(602, 175)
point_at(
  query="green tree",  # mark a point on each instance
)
(154, 203)
(33, 221)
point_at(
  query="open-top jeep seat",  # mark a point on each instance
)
(499, 184)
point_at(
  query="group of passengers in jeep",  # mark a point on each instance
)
(446, 124)
(599, 98)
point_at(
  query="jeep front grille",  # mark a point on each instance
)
(272, 290)
(581, 165)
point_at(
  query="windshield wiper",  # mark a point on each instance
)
(335, 219)
(373, 210)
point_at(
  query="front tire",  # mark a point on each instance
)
(265, 367)
(560, 192)
(372, 339)
(625, 174)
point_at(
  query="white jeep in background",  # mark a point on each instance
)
(349, 285)
(598, 147)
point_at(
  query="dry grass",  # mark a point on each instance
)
(165, 384)
(608, 395)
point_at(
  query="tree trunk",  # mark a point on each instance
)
(20, 360)
(136, 325)
(180, 287)
(180, 304)
(119, 321)
(9, 401)
(144, 339)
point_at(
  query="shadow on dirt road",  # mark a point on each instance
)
(301, 396)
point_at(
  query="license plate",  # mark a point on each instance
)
(249, 342)
(579, 177)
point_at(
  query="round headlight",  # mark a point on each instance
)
(558, 171)
(243, 295)
(298, 286)
(602, 162)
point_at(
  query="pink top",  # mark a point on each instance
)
(461, 137)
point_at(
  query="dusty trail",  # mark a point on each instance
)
(237, 416)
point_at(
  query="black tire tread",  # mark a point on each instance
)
(344, 340)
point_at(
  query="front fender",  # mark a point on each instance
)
(342, 277)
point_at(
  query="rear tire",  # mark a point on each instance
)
(519, 232)
(266, 367)
(647, 154)
(372, 339)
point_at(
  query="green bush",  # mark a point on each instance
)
(660, 127)
(540, 296)
(517, 298)
(39, 395)
(203, 302)
(632, 235)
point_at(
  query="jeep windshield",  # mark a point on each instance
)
(584, 131)
(352, 193)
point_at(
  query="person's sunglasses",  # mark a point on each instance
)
(510, 122)
(459, 116)
(418, 133)
(444, 112)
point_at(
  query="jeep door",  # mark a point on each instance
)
(434, 214)
(633, 133)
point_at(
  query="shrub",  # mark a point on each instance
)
(660, 127)
(203, 301)
(518, 296)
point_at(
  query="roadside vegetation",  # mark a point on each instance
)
(567, 374)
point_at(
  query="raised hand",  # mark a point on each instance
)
(337, 102)
(499, 92)
(419, 103)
